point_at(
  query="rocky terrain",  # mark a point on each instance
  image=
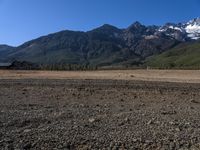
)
(99, 114)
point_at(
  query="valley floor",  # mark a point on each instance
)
(98, 114)
(186, 76)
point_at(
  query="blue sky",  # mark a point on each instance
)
(23, 20)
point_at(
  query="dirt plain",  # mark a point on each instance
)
(41, 110)
(186, 76)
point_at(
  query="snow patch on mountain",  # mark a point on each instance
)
(176, 28)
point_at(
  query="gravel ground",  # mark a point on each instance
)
(99, 114)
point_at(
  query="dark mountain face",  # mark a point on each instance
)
(4, 51)
(106, 45)
(65, 46)
(4, 48)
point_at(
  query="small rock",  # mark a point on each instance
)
(148, 141)
(126, 119)
(122, 100)
(24, 90)
(27, 146)
(134, 140)
(150, 122)
(27, 130)
(82, 105)
(115, 148)
(191, 107)
(193, 101)
(91, 120)
(67, 146)
(112, 145)
(172, 112)
(178, 129)
(187, 123)
(121, 123)
(157, 122)
(172, 146)
(142, 104)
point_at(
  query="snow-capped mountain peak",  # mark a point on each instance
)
(193, 28)
(182, 31)
(194, 21)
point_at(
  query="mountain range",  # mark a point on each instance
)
(107, 45)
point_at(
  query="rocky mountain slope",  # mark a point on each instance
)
(106, 45)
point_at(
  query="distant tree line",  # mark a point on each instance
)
(68, 67)
(24, 65)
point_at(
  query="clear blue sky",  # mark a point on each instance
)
(23, 20)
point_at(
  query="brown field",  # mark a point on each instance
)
(94, 110)
(186, 76)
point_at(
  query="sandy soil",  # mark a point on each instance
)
(99, 114)
(190, 76)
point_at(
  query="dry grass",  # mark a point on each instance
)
(190, 76)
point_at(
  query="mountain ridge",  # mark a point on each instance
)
(105, 45)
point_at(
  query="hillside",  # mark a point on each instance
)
(186, 55)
